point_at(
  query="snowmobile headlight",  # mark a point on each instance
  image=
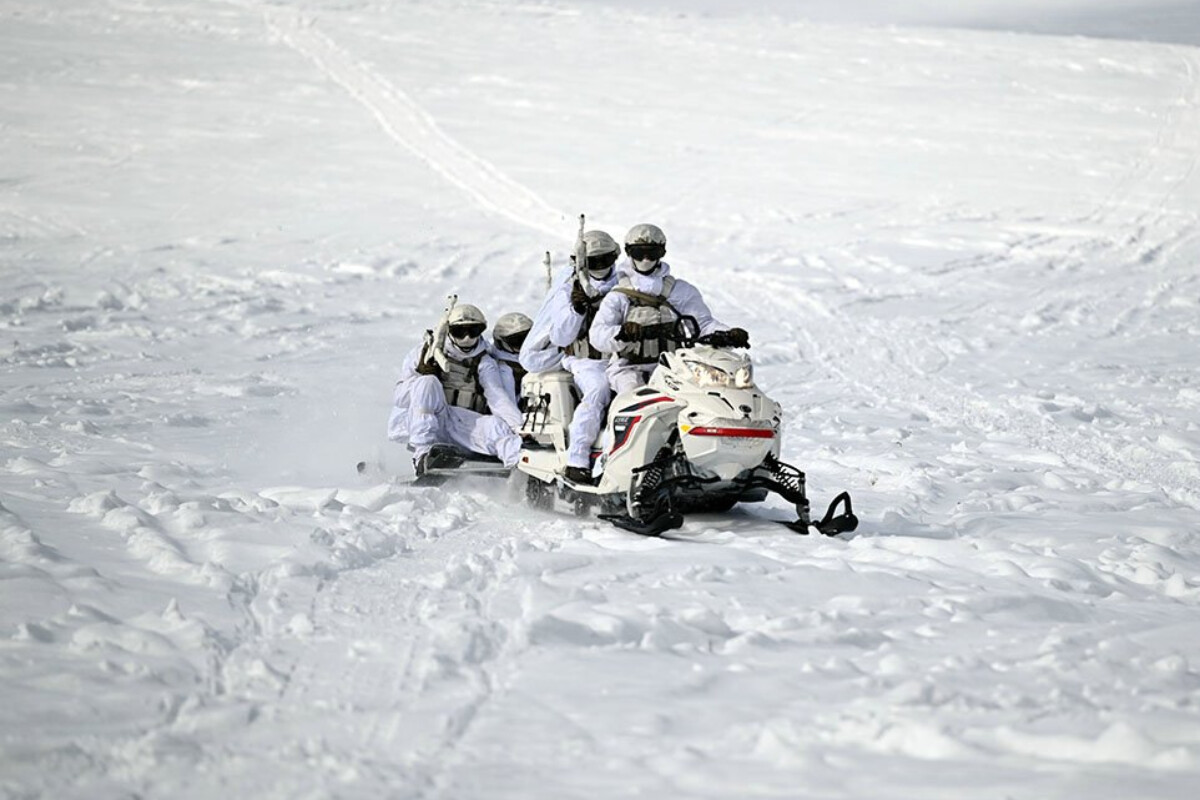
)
(743, 377)
(704, 375)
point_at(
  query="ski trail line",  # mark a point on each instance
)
(414, 129)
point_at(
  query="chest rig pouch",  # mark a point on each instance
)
(656, 316)
(460, 382)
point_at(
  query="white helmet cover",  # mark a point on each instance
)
(465, 314)
(598, 243)
(511, 323)
(645, 233)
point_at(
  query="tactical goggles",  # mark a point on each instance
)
(512, 343)
(600, 265)
(467, 330)
(645, 252)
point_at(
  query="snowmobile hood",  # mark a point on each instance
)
(703, 369)
(728, 360)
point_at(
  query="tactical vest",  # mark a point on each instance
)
(656, 316)
(460, 382)
(518, 372)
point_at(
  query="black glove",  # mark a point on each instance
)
(738, 337)
(429, 367)
(579, 299)
(734, 337)
(630, 332)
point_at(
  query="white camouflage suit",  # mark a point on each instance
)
(558, 325)
(421, 415)
(684, 298)
(505, 370)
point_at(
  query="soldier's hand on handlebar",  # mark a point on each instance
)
(734, 337)
(738, 337)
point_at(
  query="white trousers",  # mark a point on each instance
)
(421, 415)
(590, 377)
(623, 376)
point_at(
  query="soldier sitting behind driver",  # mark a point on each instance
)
(560, 340)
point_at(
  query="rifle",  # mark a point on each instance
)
(435, 340)
(581, 273)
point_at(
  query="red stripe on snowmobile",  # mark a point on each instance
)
(625, 435)
(644, 403)
(736, 433)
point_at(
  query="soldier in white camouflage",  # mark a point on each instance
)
(452, 392)
(559, 339)
(636, 322)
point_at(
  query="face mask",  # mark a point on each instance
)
(465, 343)
(645, 267)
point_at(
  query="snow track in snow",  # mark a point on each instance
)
(406, 123)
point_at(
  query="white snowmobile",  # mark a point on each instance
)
(700, 436)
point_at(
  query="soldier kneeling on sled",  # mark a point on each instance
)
(451, 392)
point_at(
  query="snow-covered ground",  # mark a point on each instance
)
(968, 263)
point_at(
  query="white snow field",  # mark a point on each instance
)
(968, 262)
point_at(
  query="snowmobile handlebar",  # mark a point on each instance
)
(686, 331)
(687, 337)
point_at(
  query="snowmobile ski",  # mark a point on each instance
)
(832, 523)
